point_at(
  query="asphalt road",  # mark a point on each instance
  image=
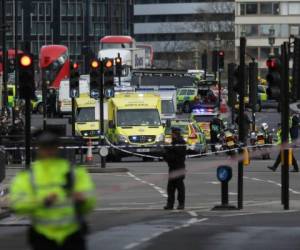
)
(129, 211)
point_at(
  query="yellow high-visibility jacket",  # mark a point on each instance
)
(29, 189)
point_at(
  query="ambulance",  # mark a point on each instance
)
(134, 124)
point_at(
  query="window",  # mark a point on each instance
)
(41, 9)
(250, 29)
(64, 9)
(251, 8)
(294, 8)
(48, 9)
(34, 9)
(266, 8)
(79, 9)
(64, 28)
(71, 9)
(9, 9)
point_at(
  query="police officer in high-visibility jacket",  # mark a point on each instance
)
(56, 196)
(278, 159)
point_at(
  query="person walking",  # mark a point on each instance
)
(278, 159)
(56, 196)
(175, 157)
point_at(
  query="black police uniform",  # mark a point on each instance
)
(216, 126)
(175, 157)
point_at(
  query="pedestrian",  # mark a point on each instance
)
(216, 127)
(51, 103)
(278, 159)
(294, 130)
(175, 157)
(55, 196)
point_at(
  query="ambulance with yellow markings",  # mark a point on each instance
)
(134, 124)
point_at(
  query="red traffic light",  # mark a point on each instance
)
(109, 64)
(75, 65)
(272, 63)
(25, 61)
(221, 53)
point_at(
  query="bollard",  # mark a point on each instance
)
(224, 175)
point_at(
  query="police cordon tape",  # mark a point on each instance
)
(122, 149)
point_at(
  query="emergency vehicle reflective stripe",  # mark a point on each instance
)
(57, 222)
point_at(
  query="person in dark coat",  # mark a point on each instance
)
(51, 103)
(216, 126)
(175, 157)
(294, 130)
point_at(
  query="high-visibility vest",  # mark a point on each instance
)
(279, 141)
(29, 189)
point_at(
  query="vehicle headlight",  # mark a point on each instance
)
(122, 138)
(85, 134)
(160, 138)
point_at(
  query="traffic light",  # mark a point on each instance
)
(108, 67)
(95, 74)
(118, 62)
(232, 81)
(214, 65)
(26, 76)
(221, 60)
(11, 66)
(274, 77)
(253, 75)
(204, 61)
(74, 79)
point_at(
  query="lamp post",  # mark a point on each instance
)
(218, 73)
(271, 39)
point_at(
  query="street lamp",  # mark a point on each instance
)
(218, 73)
(271, 39)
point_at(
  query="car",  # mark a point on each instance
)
(185, 98)
(192, 134)
(203, 118)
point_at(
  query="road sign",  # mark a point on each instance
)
(109, 93)
(224, 173)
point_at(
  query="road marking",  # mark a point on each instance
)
(157, 188)
(192, 213)
(189, 223)
(275, 183)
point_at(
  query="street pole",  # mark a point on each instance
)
(253, 73)
(27, 132)
(241, 119)
(73, 115)
(44, 96)
(101, 103)
(285, 123)
(4, 56)
(219, 85)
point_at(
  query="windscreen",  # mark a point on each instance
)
(167, 107)
(138, 117)
(203, 118)
(85, 115)
(115, 46)
(184, 129)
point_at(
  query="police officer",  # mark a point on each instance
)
(175, 157)
(216, 126)
(56, 196)
(278, 159)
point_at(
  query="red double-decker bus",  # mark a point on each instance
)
(54, 63)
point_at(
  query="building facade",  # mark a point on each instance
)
(180, 30)
(256, 19)
(78, 24)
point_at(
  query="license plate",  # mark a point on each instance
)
(230, 143)
(143, 150)
(261, 142)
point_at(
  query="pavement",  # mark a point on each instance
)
(129, 212)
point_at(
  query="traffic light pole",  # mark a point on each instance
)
(101, 103)
(241, 119)
(285, 123)
(27, 132)
(4, 57)
(73, 116)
